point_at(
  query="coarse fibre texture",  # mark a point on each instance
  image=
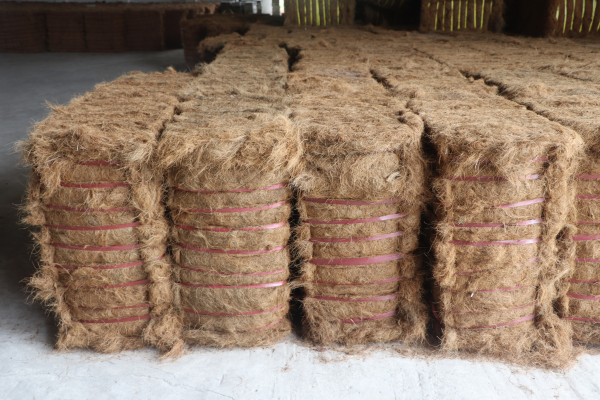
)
(95, 208)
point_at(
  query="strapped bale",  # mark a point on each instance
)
(94, 203)
(504, 209)
(22, 30)
(456, 15)
(317, 13)
(145, 29)
(105, 29)
(229, 162)
(362, 189)
(66, 31)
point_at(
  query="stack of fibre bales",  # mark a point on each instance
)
(145, 29)
(95, 203)
(66, 32)
(503, 201)
(105, 29)
(454, 15)
(22, 30)
(362, 186)
(230, 155)
(319, 12)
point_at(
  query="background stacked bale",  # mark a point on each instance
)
(95, 203)
(145, 29)
(503, 200)
(319, 12)
(362, 189)
(455, 15)
(22, 30)
(65, 27)
(229, 154)
(105, 29)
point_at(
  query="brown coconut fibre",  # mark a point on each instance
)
(504, 208)
(229, 156)
(94, 206)
(362, 189)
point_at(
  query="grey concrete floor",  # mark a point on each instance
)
(31, 369)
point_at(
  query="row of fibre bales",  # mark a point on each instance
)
(170, 209)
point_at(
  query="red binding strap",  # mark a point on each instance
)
(126, 265)
(258, 285)
(234, 314)
(583, 297)
(235, 210)
(487, 178)
(489, 311)
(115, 308)
(114, 320)
(516, 321)
(94, 228)
(364, 299)
(250, 228)
(582, 238)
(92, 248)
(99, 163)
(219, 251)
(357, 261)
(354, 221)
(586, 176)
(522, 203)
(360, 239)
(580, 281)
(352, 202)
(580, 319)
(94, 185)
(531, 260)
(118, 285)
(266, 326)
(587, 197)
(278, 186)
(279, 271)
(507, 289)
(496, 243)
(372, 318)
(499, 224)
(75, 209)
(394, 279)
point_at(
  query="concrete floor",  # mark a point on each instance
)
(31, 369)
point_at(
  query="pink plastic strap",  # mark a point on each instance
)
(587, 259)
(94, 228)
(488, 311)
(516, 321)
(496, 243)
(372, 318)
(352, 202)
(127, 265)
(531, 260)
(118, 285)
(235, 210)
(219, 251)
(92, 248)
(279, 271)
(115, 308)
(580, 281)
(499, 225)
(522, 203)
(581, 238)
(587, 196)
(487, 178)
(65, 208)
(114, 320)
(99, 163)
(394, 279)
(343, 299)
(583, 297)
(94, 185)
(354, 221)
(506, 289)
(266, 326)
(250, 228)
(357, 261)
(278, 186)
(258, 285)
(580, 319)
(585, 176)
(234, 314)
(360, 239)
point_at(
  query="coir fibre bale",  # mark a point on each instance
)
(105, 29)
(22, 30)
(456, 15)
(230, 157)
(95, 207)
(504, 208)
(362, 190)
(145, 29)
(66, 32)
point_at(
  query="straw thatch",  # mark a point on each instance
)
(94, 204)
